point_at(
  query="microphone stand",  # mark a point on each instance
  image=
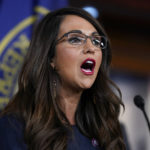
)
(139, 102)
(146, 117)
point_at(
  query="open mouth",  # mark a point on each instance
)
(88, 66)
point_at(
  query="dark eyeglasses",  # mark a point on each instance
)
(78, 39)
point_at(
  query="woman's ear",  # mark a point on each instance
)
(52, 63)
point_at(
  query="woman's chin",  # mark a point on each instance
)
(86, 85)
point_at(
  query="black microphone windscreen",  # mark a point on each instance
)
(139, 101)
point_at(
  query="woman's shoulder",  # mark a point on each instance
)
(11, 133)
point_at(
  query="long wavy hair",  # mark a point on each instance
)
(36, 102)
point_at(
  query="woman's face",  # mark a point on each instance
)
(77, 65)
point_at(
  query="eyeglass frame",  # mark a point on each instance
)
(86, 37)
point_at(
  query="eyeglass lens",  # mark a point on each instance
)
(79, 39)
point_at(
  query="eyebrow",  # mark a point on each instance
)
(79, 31)
(74, 31)
(95, 33)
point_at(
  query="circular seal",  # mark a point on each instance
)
(13, 48)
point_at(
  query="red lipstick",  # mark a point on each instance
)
(88, 65)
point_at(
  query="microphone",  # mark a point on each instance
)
(139, 102)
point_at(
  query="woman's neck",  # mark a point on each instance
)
(69, 101)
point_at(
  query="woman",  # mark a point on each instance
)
(65, 98)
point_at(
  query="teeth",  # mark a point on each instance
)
(89, 62)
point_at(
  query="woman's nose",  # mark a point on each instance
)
(89, 47)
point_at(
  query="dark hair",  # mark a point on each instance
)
(36, 102)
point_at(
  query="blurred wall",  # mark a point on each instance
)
(133, 119)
